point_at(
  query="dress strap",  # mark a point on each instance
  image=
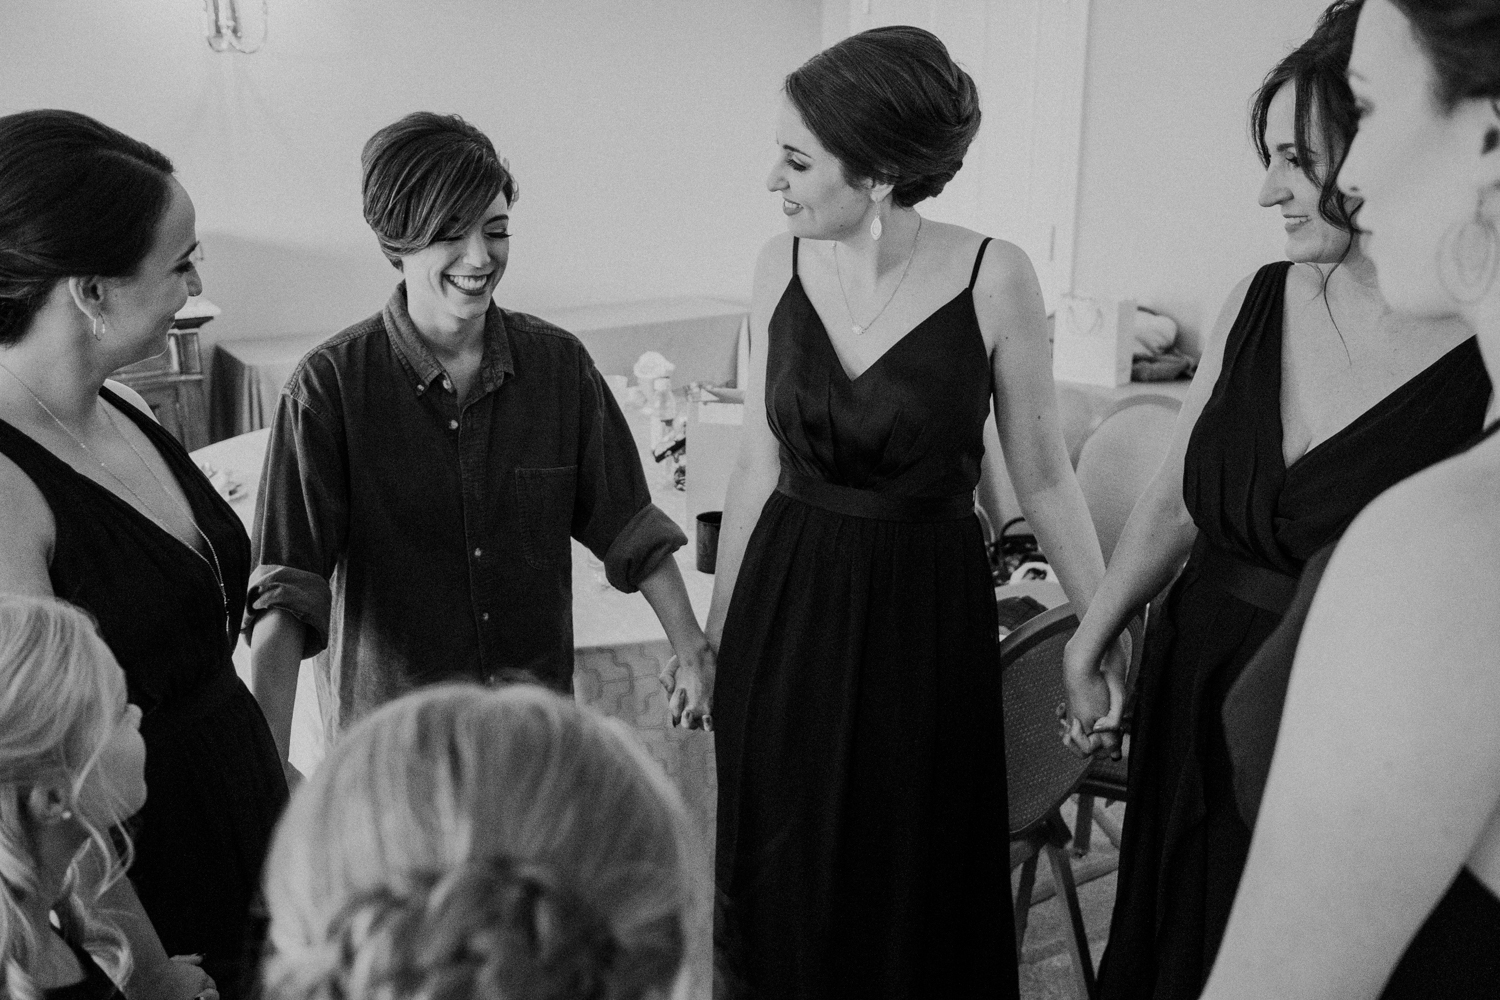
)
(795, 242)
(978, 259)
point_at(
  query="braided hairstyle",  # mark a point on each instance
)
(495, 844)
(76, 198)
(892, 106)
(60, 694)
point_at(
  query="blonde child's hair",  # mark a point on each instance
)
(61, 695)
(469, 842)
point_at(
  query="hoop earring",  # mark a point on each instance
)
(876, 228)
(1469, 258)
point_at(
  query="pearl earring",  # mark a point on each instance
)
(875, 228)
(67, 814)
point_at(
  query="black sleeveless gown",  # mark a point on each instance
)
(862, 818)
(1456, 952)
(1184, 844)
(214, 784)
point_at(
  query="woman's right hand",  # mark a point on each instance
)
(1095, 683)
(688, 680)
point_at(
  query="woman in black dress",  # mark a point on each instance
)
(1376, 863)
(101, 506)
(1311, 399)
(862, 819)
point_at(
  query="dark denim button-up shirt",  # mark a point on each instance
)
(420, 537)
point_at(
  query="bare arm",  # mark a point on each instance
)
(1153, 543)
(758, 465)
(1386, 774)
(275, 660)
(668, 597)
(1008, 301)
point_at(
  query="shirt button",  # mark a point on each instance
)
(447, 385)
(453, 425)
(421, 388)
(478, 553)
(485, 617)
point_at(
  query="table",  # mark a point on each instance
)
(699, 335)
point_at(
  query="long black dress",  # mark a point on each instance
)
(1184, 844)
(214, 784)
(862, 818)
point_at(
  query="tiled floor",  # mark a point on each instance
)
(1046, 970)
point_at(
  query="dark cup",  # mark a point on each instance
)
(708, 539)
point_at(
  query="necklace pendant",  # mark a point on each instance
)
(859, 331)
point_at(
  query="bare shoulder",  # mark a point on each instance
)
(27, 528)
(130, 396)
(1428, 549)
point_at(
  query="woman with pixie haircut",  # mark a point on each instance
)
(1375, 869)
(428, 465)
(72, 765)
(102, 506)
(463, 843)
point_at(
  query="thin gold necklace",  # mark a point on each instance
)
(859, 330)
(150, 511)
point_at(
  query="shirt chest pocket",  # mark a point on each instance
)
(544, 506)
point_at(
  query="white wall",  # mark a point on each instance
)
(1167, 211)
(640, 131)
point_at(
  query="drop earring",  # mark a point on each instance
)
(1470, 258)
(876, 228)
(100, 328)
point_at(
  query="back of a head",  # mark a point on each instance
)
(891, 105)
(60, 691)
(467, 842)
(76, 198)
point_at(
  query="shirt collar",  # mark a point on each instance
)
(494, 365)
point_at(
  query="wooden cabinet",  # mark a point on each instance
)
(172, 382)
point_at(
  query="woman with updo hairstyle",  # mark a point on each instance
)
(857, 718)
(102, 506)
(472, 844)
(1311, 398)
(1375, 869)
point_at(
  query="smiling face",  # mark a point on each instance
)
(1419, 170)
(138, 310)
(1310, 238)
(818, 201)
(450, 282)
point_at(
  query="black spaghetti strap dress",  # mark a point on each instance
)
(214, 784)
(1184, 844)
(862, 799)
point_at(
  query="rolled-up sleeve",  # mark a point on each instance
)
(612, 510)
(301, 517)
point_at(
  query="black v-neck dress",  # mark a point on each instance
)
(1184, 843)
(214, 782)
(862, 817)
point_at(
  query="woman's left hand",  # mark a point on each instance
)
(688, 679)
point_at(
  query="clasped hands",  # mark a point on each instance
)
(688, 679)
(1090, 720)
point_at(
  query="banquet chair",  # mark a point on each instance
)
(1119, 458)
(1041, 774)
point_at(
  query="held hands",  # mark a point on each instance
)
(688, 679)
(1090, 720)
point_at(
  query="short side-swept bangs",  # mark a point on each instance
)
(426, 175)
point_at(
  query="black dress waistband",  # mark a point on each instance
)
(1264, 588)
(869, 504)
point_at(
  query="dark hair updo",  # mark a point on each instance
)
(1318, 68)
(893, 106)
(76, 198)
(428, 174)
(1462, 39)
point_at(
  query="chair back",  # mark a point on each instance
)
(1119, 458)
(1040, 772)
